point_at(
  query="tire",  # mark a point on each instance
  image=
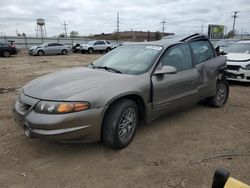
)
(114, 134)
(28, 132)
(221, 96)
(64, 52)
(40, 53)
(6, 54)
(90, 51)
(108, 49)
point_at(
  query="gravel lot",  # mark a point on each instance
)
(178, 150)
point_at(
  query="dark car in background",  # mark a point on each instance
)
(6, 50)
(76, 47)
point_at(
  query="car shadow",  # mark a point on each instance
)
(235, 83)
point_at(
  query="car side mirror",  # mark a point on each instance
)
(219, 51)
(166, 70)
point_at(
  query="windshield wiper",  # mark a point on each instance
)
(109, 68)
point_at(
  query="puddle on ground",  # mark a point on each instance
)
(4, 90)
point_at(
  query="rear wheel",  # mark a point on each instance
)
(108, 49)
(40, 53)
(120, 123)
(64, 52)
(90, 51)
(221, 96)
(6, 54)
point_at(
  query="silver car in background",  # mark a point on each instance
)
(50, 49)
(96, 46)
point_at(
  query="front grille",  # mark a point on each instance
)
(233, 67)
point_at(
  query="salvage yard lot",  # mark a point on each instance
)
(182, 149)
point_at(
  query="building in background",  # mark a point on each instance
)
(136, 36)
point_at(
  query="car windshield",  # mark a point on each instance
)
(130, 59)
(44, 44)
(239, 48)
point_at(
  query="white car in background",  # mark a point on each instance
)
(238, 61)
(96, 46)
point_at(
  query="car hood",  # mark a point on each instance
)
(33, 47)
(61, 85)
(241, 59)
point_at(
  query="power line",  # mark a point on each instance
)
(234, 17)
(117, 26)
(202, 26)
(163, 25)
(65, 28)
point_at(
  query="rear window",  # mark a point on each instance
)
(202, 51)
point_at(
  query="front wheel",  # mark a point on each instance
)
(221, 96)
(40, 53)
(120, 124)
(6, 54)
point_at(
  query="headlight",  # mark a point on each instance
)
(248, 67)
(47, 107)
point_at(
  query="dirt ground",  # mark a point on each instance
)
(178, 150)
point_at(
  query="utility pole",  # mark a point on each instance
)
(163, 25)
(202, 28)
(117, 26)
(65, 29)
(234, 17)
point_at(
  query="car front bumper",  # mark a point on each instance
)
(72, 127)
(241, 75)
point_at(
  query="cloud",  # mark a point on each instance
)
(97, 16)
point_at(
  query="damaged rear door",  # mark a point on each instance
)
(208, 67)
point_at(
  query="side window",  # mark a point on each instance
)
(57, 44)
(178, 56)
(101, 42)
(108, 42)
(97, 43)
(202, 51)
(51, 44)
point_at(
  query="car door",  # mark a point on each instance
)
(100, 46)
(174, 91)
(50, 48)
(58, 48)
(206, 64)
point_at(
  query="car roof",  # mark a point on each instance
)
(174, 39)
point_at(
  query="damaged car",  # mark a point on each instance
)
(137, 82)
(238, 62)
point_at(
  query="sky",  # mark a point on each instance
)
(99, 16)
